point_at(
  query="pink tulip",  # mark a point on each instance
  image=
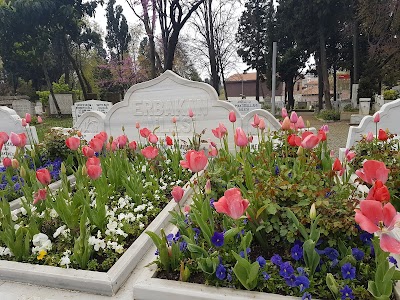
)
(73, 143)
(28, 118)
(191, 114)
(96, 144)
(325, 128)
(232, 203)
(195, 161)
(372, 171)
(150, 152)
(121, 141)
(374, 217)
(15, 139)
(212, 151)
(43, 176)
(94, 171)
(350, 155)
(7, 162)
(337, 165)
(39, 119)
(177, 193)
(217, 133)
(250, 139)
(377, 117)
(310, 141)
(101, 136)
(256, 121)
(4, 136)
(207, 188)
(23, 122)
(40, 195)
(111, 146)
(1, 144)
(232, 116)
(87, 151)
(93, 161)
(137, 125)
(133, 145)
(240, 138)
(300, 123)
(174, 120)
(332, 154)
(262, 124)
(145, 132)
(293, 117)
(222, 128)
(369, 137)
(286, 124)
(284, 113)
(153, 138)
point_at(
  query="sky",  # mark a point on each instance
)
(101, 19)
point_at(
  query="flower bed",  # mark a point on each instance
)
(284, 222)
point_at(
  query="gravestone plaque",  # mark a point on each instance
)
(153, 104)
(245, 106)
(23, 107)
(8, 150)
(79, 108)
(64, 101)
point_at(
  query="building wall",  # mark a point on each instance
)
(234, 90)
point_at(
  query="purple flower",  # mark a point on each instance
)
(296, 252)
(212, 200)
(286, 269)
(306, 296)
(241, 253)
(277, 171)
(331, 253)
(302, 282)
(261, 261)
(348, 271)
(218, 239)
(393, 260)
(357, 254)
(301, 271)
(366, 237)
(221, 272)
(347, 293)
(291, 280)
(276, 259)
(265, 275)
(182, 246)
(229, 275)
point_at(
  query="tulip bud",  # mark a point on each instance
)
(377, 117)
(79, 134)
(173, 133)
(84, 171)
(22, 172)
(174, 120)
(33, 152)
(308, 123)
(123, 128)
(208, 187)
(313, 212)
(39, 119)
(232, 116)
(332, 284)
(23, 122)
(14, 163)
(63, 169)
(300, 151)
(137, 125)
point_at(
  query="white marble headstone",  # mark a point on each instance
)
(79, 108)
(245, 106)
(23, 106)
(90, 123)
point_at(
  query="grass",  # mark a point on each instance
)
(49, 122)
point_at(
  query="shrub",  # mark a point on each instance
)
(329, 115)
(390, 95)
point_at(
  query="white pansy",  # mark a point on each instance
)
(41, 242)
(60, 230)
(65, 261)
(121, 216)
(53, 213)
(23, 211)
(5, 251)
(141, 225)
(112, 225)
(119, 231)
(168, 161)
(139, 216)
(96, 243)
(16, 227)
(143, 169)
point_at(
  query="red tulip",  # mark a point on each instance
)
(133, 145)
(96, 144)
(87, 151)
(294, 140)
(28, 118)
(40, 195)
(39, 120)
(153, 138)
(372, 171)
(174, 120)
(195, 161)
(4, 136)
(350, 155)
(322, 135)
(1, 144)
(377, 117)
(240, 138)
(177, 193)
(382, 135)
(169, 141)
(145, 132)
(23, 122)
(73, 143)
(43, 176)
(232, 203)
(232, 116)
(191, 114)
(93, 161)
(7, 162)
(374, 217)
(150, 152)
(101, 136)
(379, 192)
(337, 166)
(285, 124)
(94, 171)
(309, 140)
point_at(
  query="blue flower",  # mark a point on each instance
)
(357, 253)
(265, 275)
(221, 272)
(291, 280)
(348, 271)
(393, 260)
(170, 238)
(286, 269)
(248, 250)
(296, 252)
(347, 293)
(229, 276)
(366, 237)
(276, 259)
(261, 261)
(212, 200)
(277, 171)
(306, 296)
(196, 233)
(302, 282)
(301, 271)
(331, 253)
(218, 239)
(182, 246)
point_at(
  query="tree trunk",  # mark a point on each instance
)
(320, 84)
(173, 41)
(221, 69)
(49, 85)
(290, 99)
(152, 53)
(356, 75)
(324, 69)
(258, 85)
(209, 27)
(334, 84)
(76, 68)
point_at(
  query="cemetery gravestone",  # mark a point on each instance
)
(245, 106)
(64, 101)
(23, 107)
(90, 124)
(79, 108)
